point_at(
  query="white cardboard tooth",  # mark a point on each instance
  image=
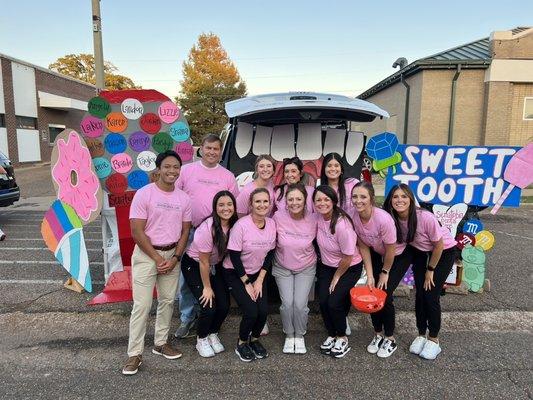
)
(334, 141)
(282, 144)
(243, 141)
(309, 141)
(354, 146)
(263, 134)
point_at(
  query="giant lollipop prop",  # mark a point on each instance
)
(519, 172)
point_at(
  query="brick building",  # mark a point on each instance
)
(35, 105)
(479, 93)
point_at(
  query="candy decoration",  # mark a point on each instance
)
(382, 149)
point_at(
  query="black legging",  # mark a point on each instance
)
(335, 306)
(254, 313)
(385, 319)
(211, 318)
(427, 303)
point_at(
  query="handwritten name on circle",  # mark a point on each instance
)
(150, 123)
(179, 131)
(95, 146)
(116, 184)
(115, 143)
(132, 109)
(102, 167)
(162, 142)
(168, 112)
(185, 151)
(116, 122)
(146, 161)
(98, 107)
(139, 141)
(138, 179)
(92, 126)
(121, 163)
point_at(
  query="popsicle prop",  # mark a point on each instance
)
(519, 172)
(382, 149)
(62, 232)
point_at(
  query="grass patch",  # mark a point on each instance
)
(526, 199)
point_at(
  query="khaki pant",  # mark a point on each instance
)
(145, 277)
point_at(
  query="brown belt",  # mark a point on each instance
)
(166, 247)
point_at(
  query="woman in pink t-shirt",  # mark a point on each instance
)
(390, 261)
(202, 269)
(332, 174)
(293, 172)
(264, 172)
(294, 265)
(339, 269)
(434, 253)
(251, 249)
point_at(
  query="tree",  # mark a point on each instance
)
(81, 66)
(210, 79)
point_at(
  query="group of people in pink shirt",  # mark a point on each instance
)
(227, 242)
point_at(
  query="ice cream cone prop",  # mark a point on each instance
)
(519, 173)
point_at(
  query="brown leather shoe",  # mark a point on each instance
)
(132, 365)
(167, 351)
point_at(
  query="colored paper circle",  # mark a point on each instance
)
(115, 143)
(132, 109)
(116, 184)
(472, 226)
(146, 161)
(162, 142)
(92, 126)
(485, 240)
(138, 179)
(464, 239)
(168, 112)
(150, 123)
(139, 141)
(98, 107)
(185, 151)
(116, 122)
(95, 146)
(121, 163)
(179, 131)
(102, 167)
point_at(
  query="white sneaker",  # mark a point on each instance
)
(375, 344)
(341, 348)
(288, 346)
(327, 345)
(431, 350)
(348, 329)
(299, 345)
(265, 330)
(204, 348)
(387, 348)
(215, 343)
(417, 345)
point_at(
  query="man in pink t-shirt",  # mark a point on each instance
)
(160, 218)
(201, 180)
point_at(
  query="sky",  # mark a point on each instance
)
(341, 47)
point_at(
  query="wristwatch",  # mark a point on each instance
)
(177, 257)
(384, 271)
(430, 268)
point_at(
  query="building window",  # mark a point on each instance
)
(26, 122)
(53, 131)
(528, 108)
(2, 121)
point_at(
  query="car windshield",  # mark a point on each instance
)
(3, 157)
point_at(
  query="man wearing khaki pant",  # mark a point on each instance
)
(160, 219)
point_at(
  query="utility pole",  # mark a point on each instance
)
(98, 49)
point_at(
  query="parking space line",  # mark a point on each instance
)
(513, 235)
(40, 262)
(39, 248)
(39, 282)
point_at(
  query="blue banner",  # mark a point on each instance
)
(455, 174)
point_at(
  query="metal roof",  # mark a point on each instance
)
(478, 50)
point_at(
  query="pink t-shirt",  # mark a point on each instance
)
(428, 230)
(294, 248)
(243, 200)
(378, 231)
(203, 243)
(334, 247)
(282, 203)
(349, 183)
(202, 184)
(252, 242)
(164, 213)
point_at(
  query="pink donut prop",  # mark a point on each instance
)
(74, 177)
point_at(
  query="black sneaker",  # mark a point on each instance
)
(258, 349)
(244, 352)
